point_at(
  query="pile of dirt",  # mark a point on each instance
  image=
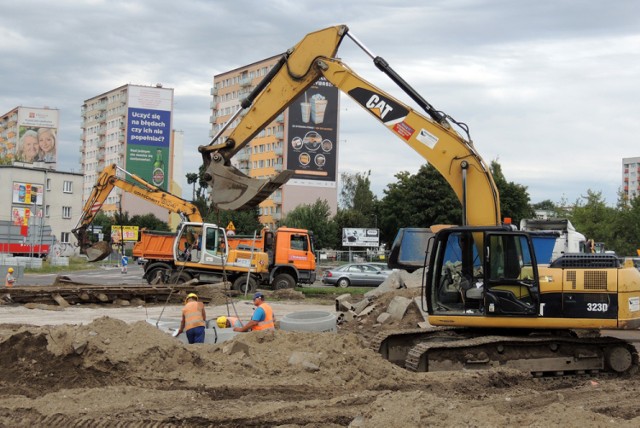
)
(109, 372)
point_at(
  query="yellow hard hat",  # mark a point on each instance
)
(191, 296)
(222, 321)
(10, 270)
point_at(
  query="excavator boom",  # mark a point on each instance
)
(107, 180)
(315, 57)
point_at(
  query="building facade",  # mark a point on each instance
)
(41, 197)
(130, 126)
(29, 135)
(631, 177)
(303, 138)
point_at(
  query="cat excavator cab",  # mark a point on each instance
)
(482, 281)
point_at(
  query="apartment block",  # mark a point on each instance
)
(303, 138)
(631, 177)
(130, 126)
(29, 135)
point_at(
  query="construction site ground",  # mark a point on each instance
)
(104, 364)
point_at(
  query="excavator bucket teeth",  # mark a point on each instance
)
(98, 251)
(233, 190)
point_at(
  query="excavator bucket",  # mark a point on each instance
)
(233, 190)
(98, 251)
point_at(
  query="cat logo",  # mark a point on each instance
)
(378, 106)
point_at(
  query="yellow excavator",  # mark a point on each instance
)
(489, 303)
(200, 250)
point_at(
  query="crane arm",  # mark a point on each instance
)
(315, 56)
(105, 183)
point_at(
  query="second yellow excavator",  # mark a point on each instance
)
(482, 281)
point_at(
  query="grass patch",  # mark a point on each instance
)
(332, 292)
(75, 264)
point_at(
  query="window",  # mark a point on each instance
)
(48, 184)
(64, 237)
(66, 212)
(67, 187)
(46, 210)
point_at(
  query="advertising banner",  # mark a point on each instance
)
(313, 134)
(126, 233)
(37, 135)
(149, 133)
(27, 193)
(359, 237)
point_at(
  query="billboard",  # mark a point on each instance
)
(27, 193)
(124, 233)
(312, 135)
(149, 133)
(37, 135)
(359, 237)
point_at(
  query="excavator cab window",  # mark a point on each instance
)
(511, 284)
(456, 272)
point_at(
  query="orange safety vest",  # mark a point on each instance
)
(267, 324)
(8, 283)
(192, 313)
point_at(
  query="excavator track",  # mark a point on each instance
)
(541, 355)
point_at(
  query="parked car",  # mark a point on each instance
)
(364, 274)
(380, 265)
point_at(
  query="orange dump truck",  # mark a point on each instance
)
(291, 255)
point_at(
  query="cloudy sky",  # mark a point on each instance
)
(549, 88)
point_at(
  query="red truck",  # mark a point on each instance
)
(291, 254)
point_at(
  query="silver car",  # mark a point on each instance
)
(363, 274)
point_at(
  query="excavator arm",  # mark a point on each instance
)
(431, 137)
(107, 180)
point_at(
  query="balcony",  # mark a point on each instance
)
(277, 168)
(280, 118)
(280, 135)
(245, 81)
(278, 151)
(212, 118)
(276, 216)
(214, 91)
(277, 199)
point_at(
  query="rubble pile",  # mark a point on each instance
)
(395, 304)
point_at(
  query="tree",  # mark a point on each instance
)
(149, 222)
(245, 221)
(418, 200)
(317, 218)
(514, 198)
(192, 178)
(356, 193)
(591, 217)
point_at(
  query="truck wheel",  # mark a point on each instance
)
(153, 273)
(282, 281)
(179, 278)
(240, 284)
(342, 283)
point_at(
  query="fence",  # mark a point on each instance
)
(352, 256)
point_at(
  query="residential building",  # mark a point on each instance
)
(631, 177)
(29, 135)
(303, 138)
(130, 126)
(41, 197)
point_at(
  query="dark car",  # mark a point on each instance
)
(363, 274)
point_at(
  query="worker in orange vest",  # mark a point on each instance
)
(9, 279)
(226, 322)
(194, 319)
(262, 318)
